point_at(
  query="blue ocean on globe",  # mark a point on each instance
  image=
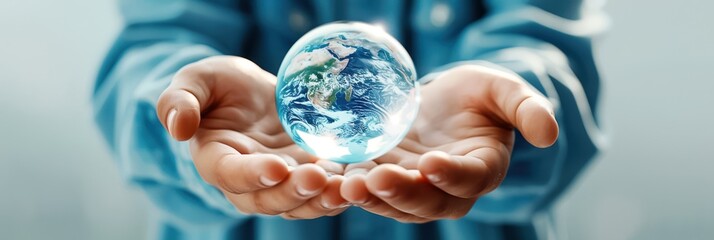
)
(347, 92)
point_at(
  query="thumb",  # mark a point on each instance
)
(536, 121)
(524, 108)
(179, 106)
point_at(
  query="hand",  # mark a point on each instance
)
(226, 107)
(457, 149)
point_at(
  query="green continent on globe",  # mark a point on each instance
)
(320, 85)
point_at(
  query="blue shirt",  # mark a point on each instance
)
(546, 42)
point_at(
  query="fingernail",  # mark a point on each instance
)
(434, 177)
(170, 120)
(267, 181)
(385, 193)
(548, 105)
(304, 192)
(325, 205)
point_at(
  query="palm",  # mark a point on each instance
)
(454, 126)
(456, 131)
(457, 149)
(225, 106)
(244, 118)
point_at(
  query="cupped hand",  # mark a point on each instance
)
(458, 148)
(225, 106)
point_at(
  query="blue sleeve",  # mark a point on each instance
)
(549, 44)
(158, 39)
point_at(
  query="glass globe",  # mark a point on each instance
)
(347, 92)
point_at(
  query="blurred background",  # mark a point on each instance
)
(57, 180)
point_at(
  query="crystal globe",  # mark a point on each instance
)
(347, 92)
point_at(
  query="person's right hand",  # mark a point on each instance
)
(226, 107)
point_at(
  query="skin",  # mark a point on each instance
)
(457, 149)
(225, 107)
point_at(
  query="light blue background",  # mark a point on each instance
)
(655, 182)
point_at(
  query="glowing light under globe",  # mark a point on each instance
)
(347, 92)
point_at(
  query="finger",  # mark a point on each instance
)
(398, 155)
(239, 174)
(303, 183)
(354, 190)
(408, 191)
(327, 202)
(359, 168)
(470, 176)
(217, 159)
(179, 106)
(527, 110)
(295, 152)
(332, 168)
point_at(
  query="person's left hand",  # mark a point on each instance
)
(457, 149)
